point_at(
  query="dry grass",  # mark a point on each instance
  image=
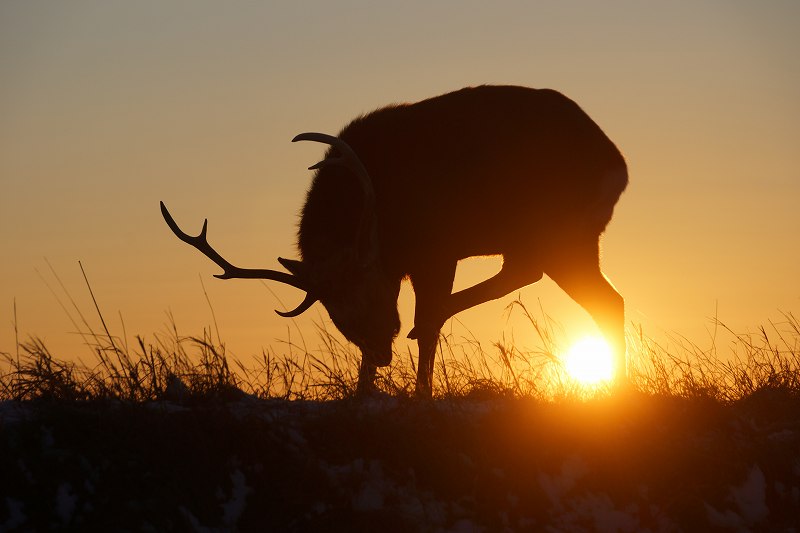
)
(743, 365)
(709, 442)
(173, 366)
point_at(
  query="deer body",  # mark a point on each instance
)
(491, 170)
(477, 172)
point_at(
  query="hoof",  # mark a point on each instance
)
(423, 392)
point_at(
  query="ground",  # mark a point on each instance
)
(626, 462)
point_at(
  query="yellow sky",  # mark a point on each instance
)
(108, 107)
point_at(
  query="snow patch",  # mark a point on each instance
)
(751, 496)
(232, 510)
(605, 516)
(66, 501)
(195, 524)
(555, 487)
(571, 511)
(750, 500)
(370, 496)
(15, 515)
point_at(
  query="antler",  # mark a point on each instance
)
(367, 230)
(200, 242)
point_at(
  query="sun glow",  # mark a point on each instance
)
(589, 361)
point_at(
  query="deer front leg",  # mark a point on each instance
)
(366, 377)
(427, 341)
(432, 286)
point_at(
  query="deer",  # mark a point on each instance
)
(409, 190)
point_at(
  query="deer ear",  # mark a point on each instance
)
(297, 268)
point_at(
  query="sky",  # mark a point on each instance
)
(108, 107)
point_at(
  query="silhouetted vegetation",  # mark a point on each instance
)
(173, 434)
(176, 367)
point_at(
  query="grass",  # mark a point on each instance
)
(170, 365)
(171, 433)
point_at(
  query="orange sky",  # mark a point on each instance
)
(108, 108)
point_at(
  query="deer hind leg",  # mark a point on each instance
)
(432, 287)
(515, 274)
(578, 274)
(435, 305)
(518, 271)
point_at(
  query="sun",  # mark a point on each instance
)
(589, 361)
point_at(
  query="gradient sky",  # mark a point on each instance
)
(108, 107)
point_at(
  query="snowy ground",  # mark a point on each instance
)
(632, 464)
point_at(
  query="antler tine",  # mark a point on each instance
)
(304, 305)
(200, 242)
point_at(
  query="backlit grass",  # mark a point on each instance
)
(171, 433)
(175, 366)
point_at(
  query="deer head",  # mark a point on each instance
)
(359, 297)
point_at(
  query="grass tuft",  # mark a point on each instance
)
(171, 366)
(163, 433)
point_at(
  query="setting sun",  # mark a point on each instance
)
(589, 361)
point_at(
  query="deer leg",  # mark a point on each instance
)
(435, 306)
(580, 277)
(432, 287)
(366, 377)
(514, 275)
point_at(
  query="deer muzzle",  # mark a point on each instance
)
(378, 357)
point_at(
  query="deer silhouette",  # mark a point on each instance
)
(408, 190)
